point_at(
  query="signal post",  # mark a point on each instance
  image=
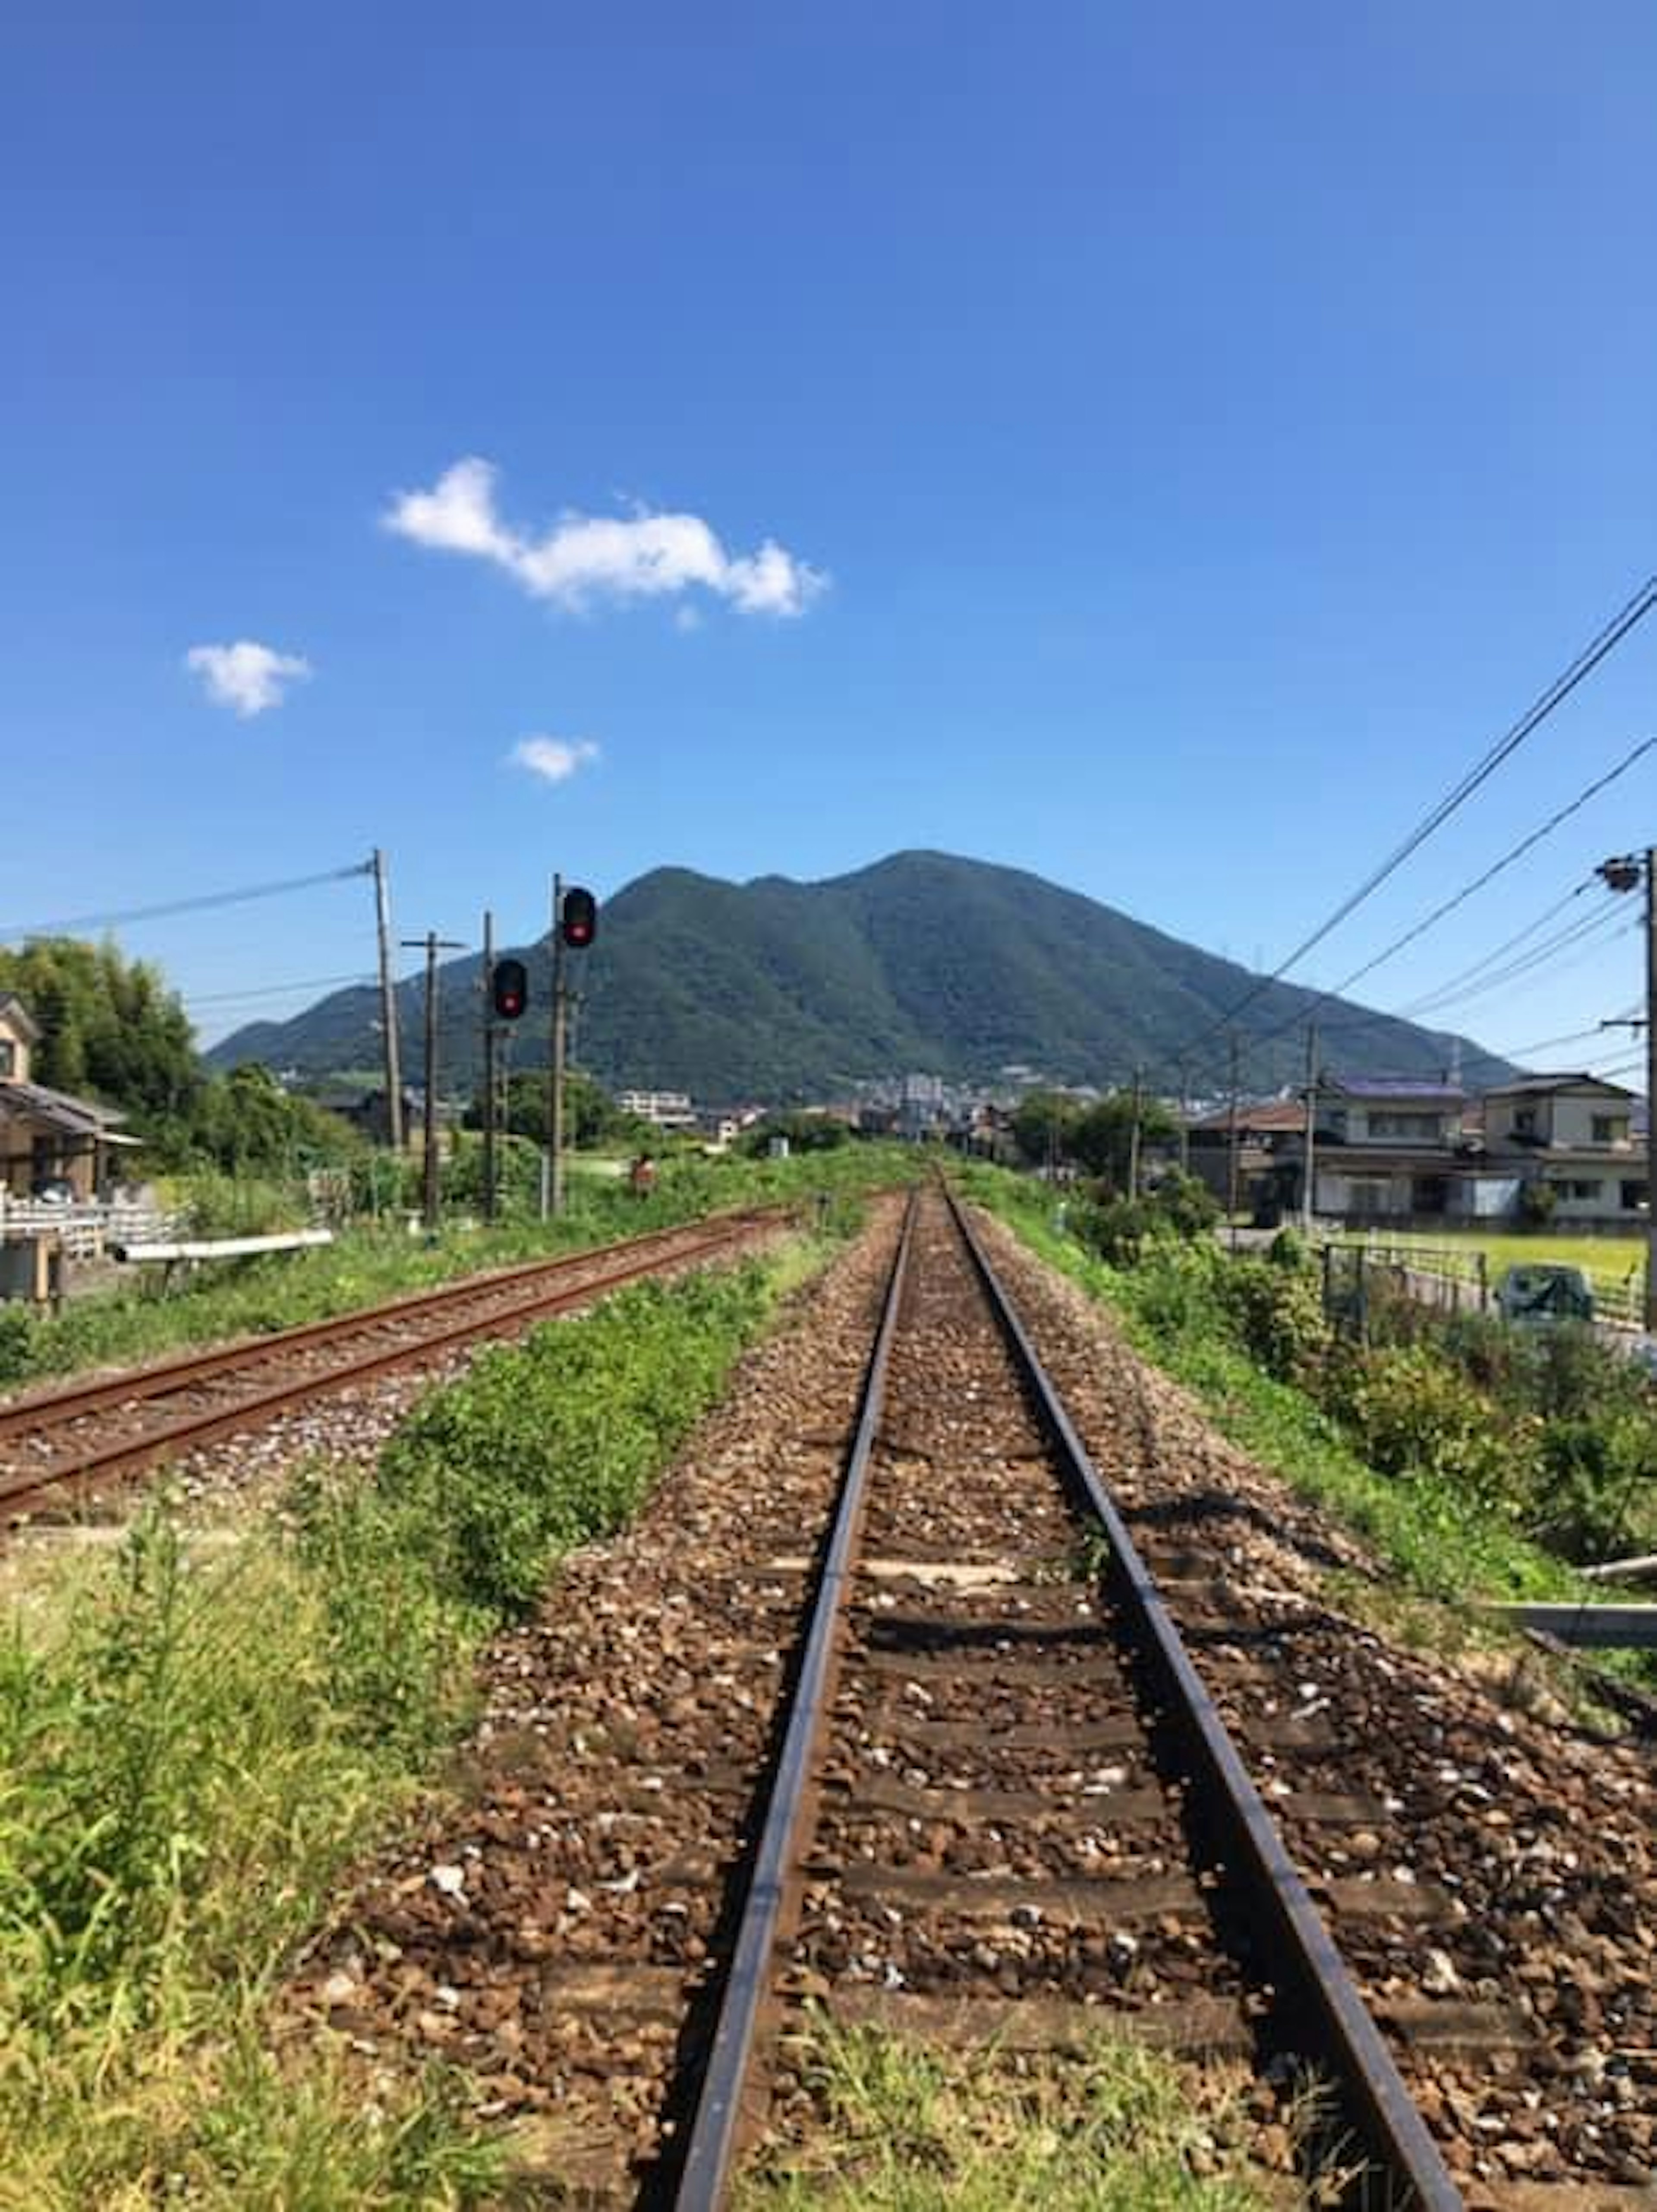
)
(574, 924)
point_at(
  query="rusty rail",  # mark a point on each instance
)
(1376, 2101)
(1393, 2130)
(549, 1291)
(714, 2135)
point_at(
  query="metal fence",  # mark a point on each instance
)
(1457, 1280)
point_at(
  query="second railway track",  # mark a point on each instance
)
(61, 1444)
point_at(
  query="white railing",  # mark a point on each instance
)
(85, 1228)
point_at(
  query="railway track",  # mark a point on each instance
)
(1003, 1785)
(1003, 1829)
(61, 1445)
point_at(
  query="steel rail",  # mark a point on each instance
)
(712, 2141)
(1396, 2134)
(133, 1455)
(158, 1378)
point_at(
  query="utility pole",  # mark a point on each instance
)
(1233, 1165)
(1184, 1121)
(488, 986)
(434, 945)
(1133, 1133)
(1625, 873)
(1308, 1194)
(555, 1060)
(388, 1006)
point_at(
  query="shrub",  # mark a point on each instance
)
(1276, 1316)
(1185, 1203)
(547, 1443)
(16, 1342)
(1589, 1475)
(1414, 1413)
(1287, 1249)
(1536, 1203)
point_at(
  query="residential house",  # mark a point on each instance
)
(47, 1137)
(1387, 1147)
(1398, 1150)
(1575, 1133)
(1266, 1134)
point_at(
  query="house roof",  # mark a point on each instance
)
(75, 1117)
(1536, 1086)
(1395, 1087)
(13, 1009)
(1277, 1115)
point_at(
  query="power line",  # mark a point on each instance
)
(1539, 956)
(276, 990)
(1559, 690)
(1499, 951)
(196, 905)
(1514, 853)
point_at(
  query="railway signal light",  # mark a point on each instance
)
(509, 989)
(578, 918)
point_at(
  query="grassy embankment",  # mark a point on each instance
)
(195, 1739)
(372, 1262)
(1448, 1540)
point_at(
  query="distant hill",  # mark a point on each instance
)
(775, 990)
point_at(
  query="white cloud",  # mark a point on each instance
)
(583, 558)
(247, 677)
(554, 759)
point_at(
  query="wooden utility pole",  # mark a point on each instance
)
(1651, 1089)
(1133, 1134)
(555, 1060)
(1309, 1192)
(1185, 1121)
(388, 1007)
(1232, 1165)
(434, 945)
(1624, 874)
(489, 1066)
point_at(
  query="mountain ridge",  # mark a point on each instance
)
(778, 989)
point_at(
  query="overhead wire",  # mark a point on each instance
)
(1529, 962)
(1481, 769)
(276, 990)
(198, 904)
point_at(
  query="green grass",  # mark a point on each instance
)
(1613, 1259)
(257, 1297)
(199, 1736)
(1444, 1547)
(1115, 2127)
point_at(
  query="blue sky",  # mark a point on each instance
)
(1160, 449)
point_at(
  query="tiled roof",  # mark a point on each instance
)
(1277, 1114)
(1395, 1086)
(79, 1117)
(1538, 1085)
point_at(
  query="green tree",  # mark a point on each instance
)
(109, 1029)
(1043, 1125)
(244, 1123)
(806, 1133)
(591, 1116)
(1102, 1139)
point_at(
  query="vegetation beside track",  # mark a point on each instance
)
(257, 1296)
(1116, 2128)
(1435, 1449)
(192, 1749)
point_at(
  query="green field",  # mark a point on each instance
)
(1610, 1262)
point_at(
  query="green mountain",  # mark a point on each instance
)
(775, 990)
